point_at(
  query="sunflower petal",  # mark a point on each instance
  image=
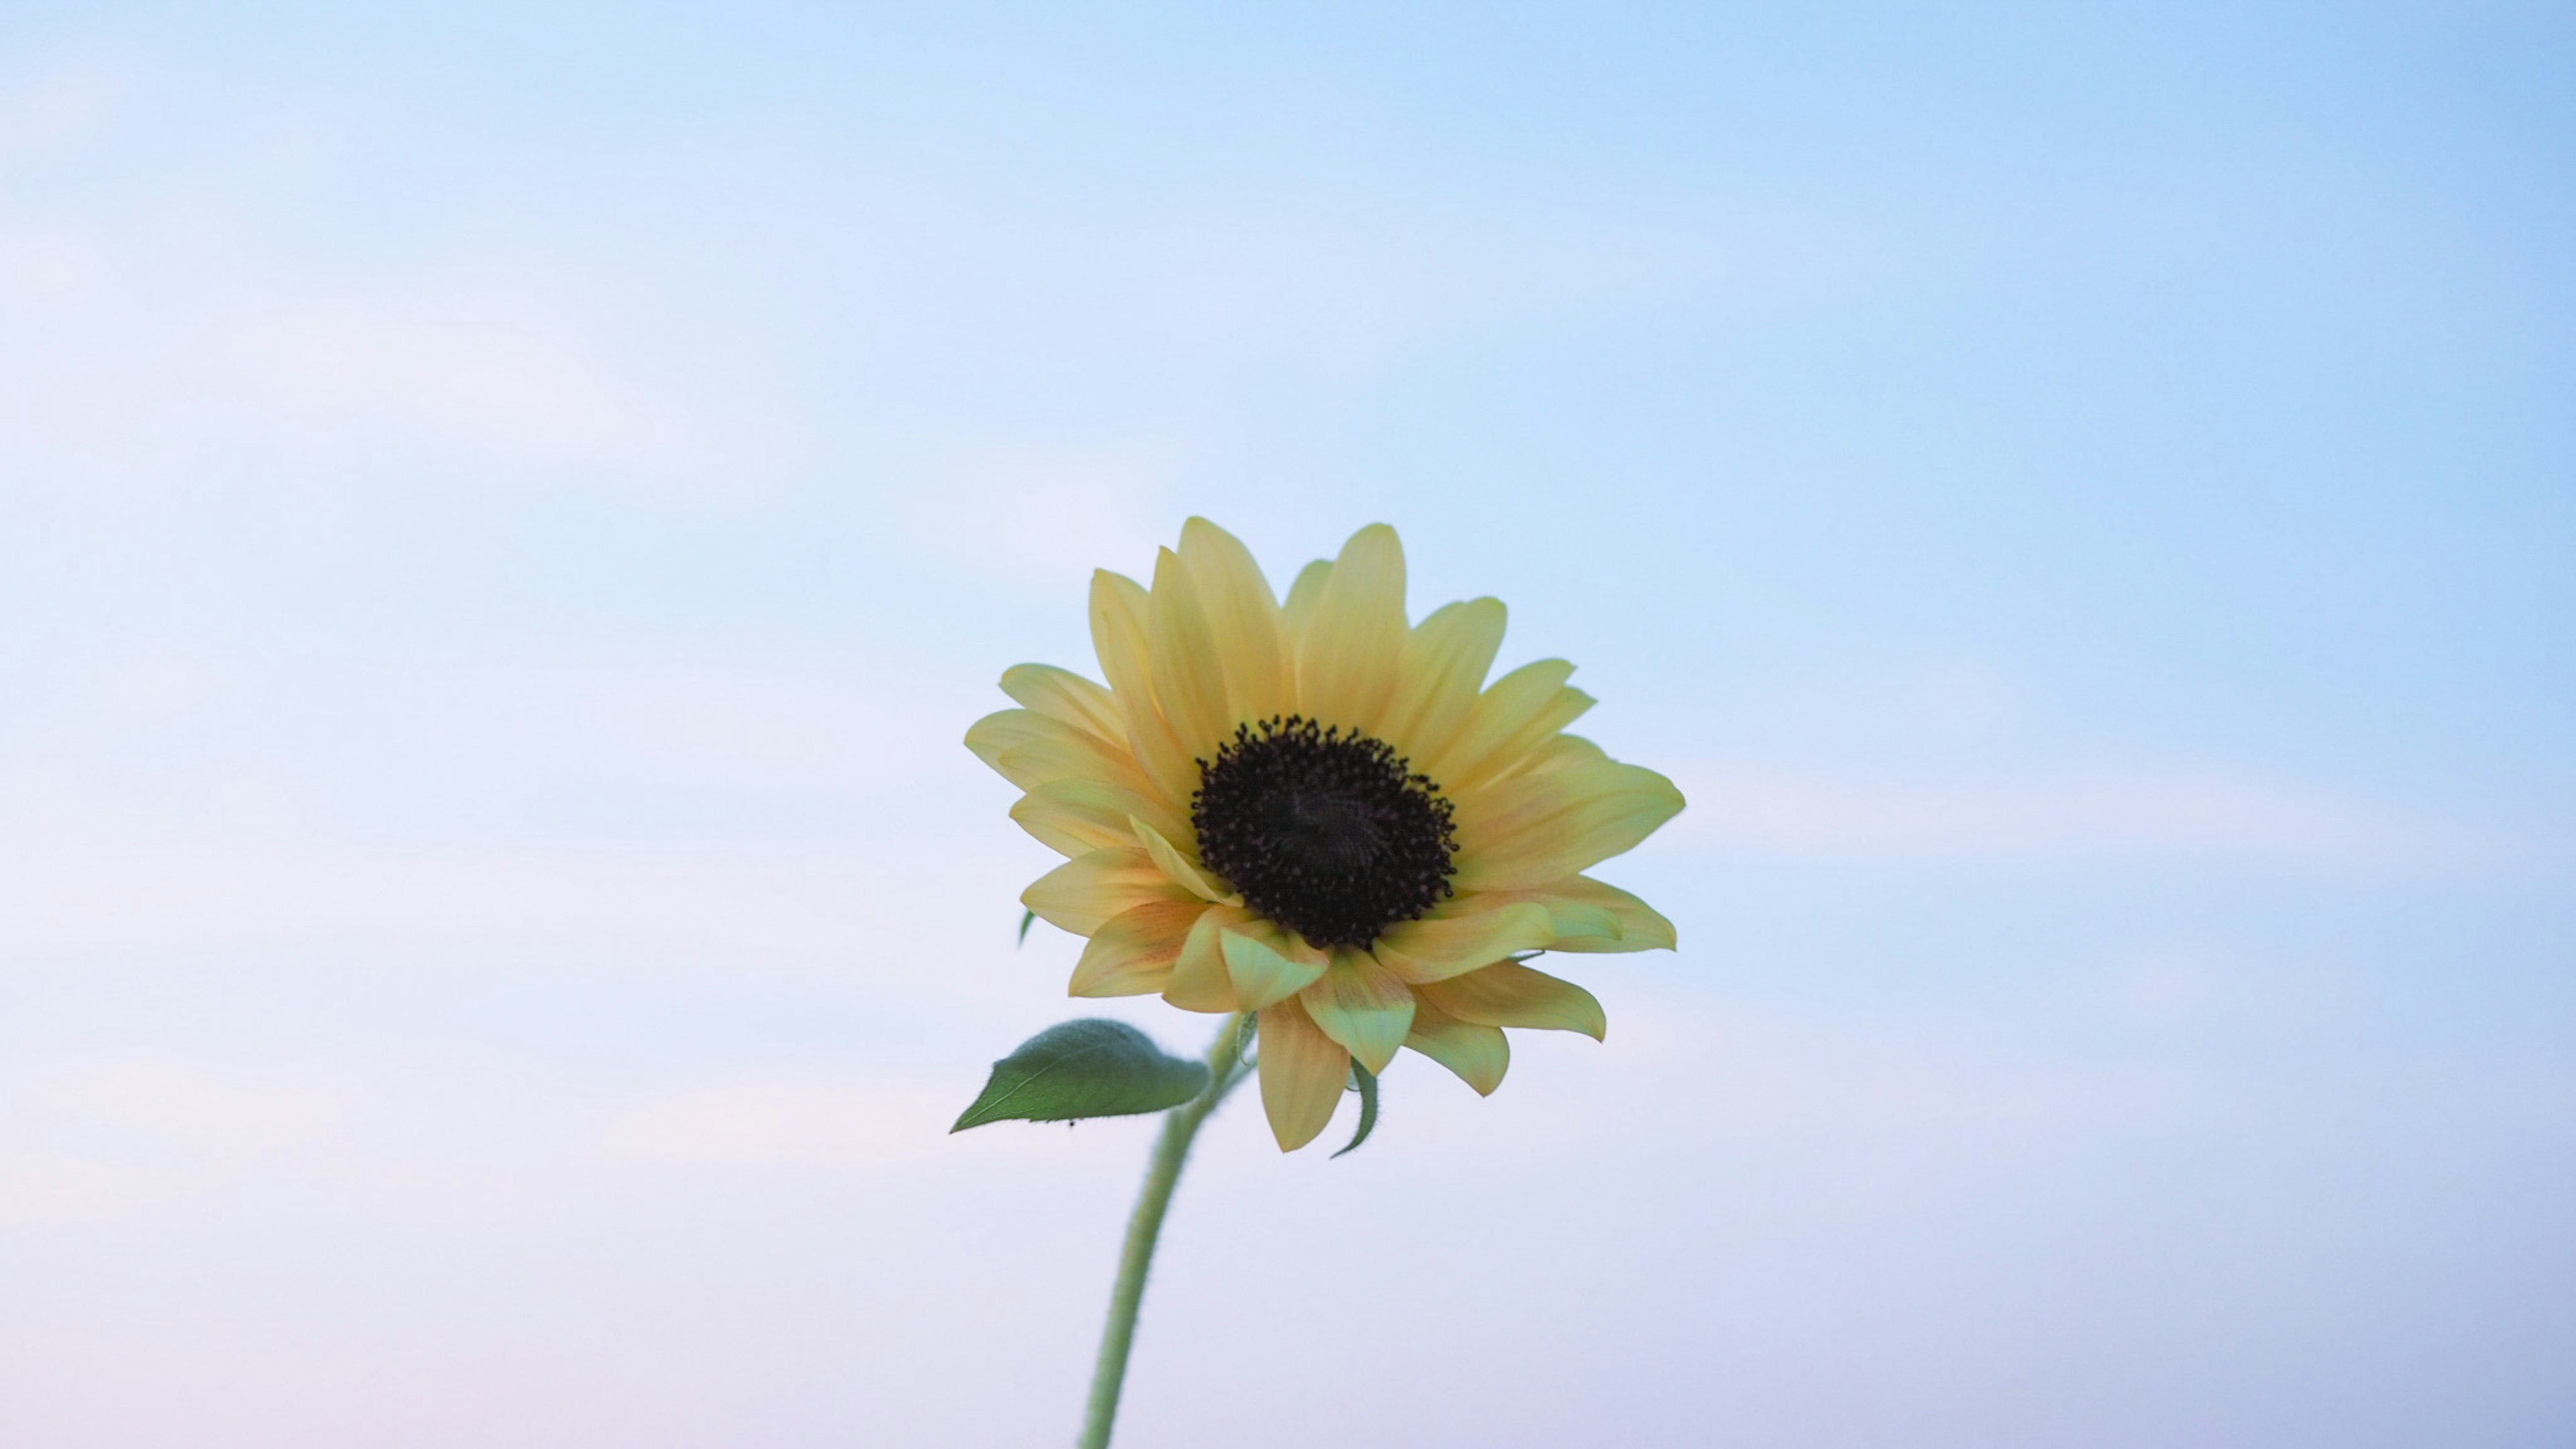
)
(1533, 830)
(1582, 927)
(1461, 938)
(1058, 751)
(1303, 1073)
(1514, 715)
(1503, 706)
(1353, 651)
(1133, 954)
(1361, 1005)
(1005, 730)
(1478, 1054)
(1092, 818)
(1508, 993)
(1076, 816)
(1267, 964)
(1299, 609)
(1120, 611)
(1244, 616)
(1179, 867)
(1562, 752)
(1189, 673)
(1084, 893)
(1199, 979)
(1445, 660)
(1634, 925)
(1064, 695)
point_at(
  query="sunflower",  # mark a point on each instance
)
(1320, 813)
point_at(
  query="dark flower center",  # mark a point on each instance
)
(1327, 833)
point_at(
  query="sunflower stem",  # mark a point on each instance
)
(1162, 1174)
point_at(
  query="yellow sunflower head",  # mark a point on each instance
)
(1320, 812)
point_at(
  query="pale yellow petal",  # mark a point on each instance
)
(1445, 660)
(1478, 1054)
(1243, 614)
(1362, 1006)
(1082, 894)
(1183, 871)
(1067, 696)
(1561, 752)
(1075, 816)
(1005, 730)
(1510, 994)
(1592, 916)
(1303, 1075)
(1299, 610)
(1509, 721)
(1581, 927)
(1353, 650)
(1132, 955)
(1532, 830)
(1119, 615)
(1058, 751)
(1189, 674)
(1199, 978)
(1266, 963)
(1539, 743)
(1118, 611)
(1462, 936)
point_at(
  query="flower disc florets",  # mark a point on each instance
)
(1330, 834)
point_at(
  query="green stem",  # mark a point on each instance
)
(1180, 1127)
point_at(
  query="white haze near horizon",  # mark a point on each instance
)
(506, 511)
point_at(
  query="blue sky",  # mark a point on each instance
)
(505, 513)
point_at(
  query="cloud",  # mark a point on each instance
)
(173, 323)
(129, 382)
(2171, 814)
(774, 1119)
(814, 907)
(106, 1129)
(220, 317)
(501, 382)
(45, 268)
(55, 107)
(1040, 518)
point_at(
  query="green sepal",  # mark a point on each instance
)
(1092, 1067)
(1027, 919)
(1364, 1082)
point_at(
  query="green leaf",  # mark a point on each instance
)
(1364, 1082)
(1087, 1068)
(1027, 919)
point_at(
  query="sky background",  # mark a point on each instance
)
(507, 510)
